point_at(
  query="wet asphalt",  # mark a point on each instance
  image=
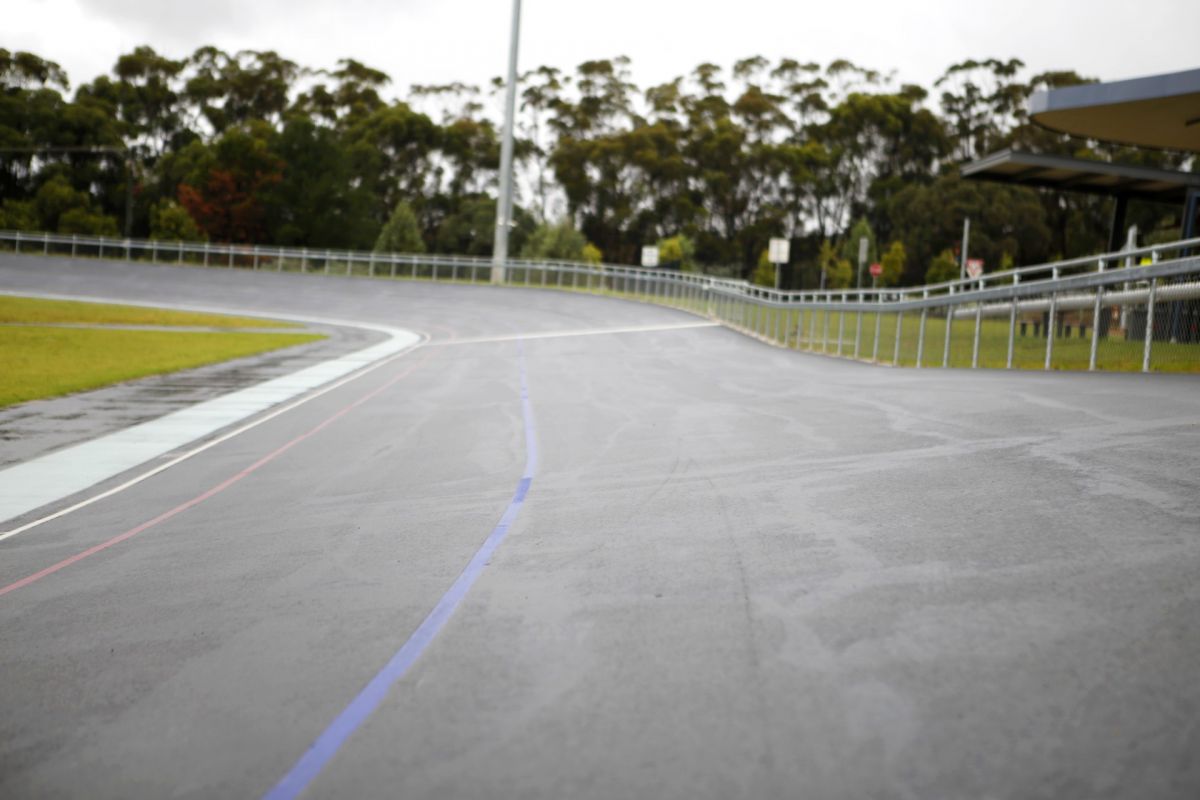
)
(738, 572)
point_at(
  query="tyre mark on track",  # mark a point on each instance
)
(364, 704)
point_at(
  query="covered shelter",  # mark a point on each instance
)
(1159, 111)
(1063, 173)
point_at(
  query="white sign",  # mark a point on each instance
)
(649, 256)
(863, 243)
(778, 251)
(974, 267)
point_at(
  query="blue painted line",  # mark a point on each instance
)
(319, 753)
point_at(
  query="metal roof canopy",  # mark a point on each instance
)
(1083, 175)
(1156, 111)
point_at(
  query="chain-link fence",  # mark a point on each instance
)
(1137, 309)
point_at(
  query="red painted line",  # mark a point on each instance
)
(215, 490)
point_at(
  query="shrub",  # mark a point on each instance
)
(401, 233)
(942, 268)
(170, 221)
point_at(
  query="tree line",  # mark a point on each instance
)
(252, 147)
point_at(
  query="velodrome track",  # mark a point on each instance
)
(736, 572)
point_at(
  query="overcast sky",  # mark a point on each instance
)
(438, 41)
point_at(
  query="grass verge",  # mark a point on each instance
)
(32, 310)
(807, 331)
(38, 362)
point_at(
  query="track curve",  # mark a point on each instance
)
(741, 572)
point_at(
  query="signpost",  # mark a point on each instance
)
(649, 256)
(876, 271)
(863, 244)
(778, 252)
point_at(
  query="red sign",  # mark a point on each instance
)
(974, 267)
(876, 270)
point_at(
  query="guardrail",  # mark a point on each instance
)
(1137, 308)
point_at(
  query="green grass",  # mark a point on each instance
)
(30, 310)
(39, 362)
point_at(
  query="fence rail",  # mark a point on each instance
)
(1134, 309)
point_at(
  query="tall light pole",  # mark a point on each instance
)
(504, 201)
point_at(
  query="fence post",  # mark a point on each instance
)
(46, 243)
(207, 248)
(1050, 323)
(949, 325)
(978, 323)
(1012, 322)
(878, 322)
(18, 242)
(254, 263)
(825, 336)
(231, 255)
(921, 332)
(1149, 325)
(1096, 322)
(899, 332)
(858, 326)
(74, 238)
(841, 323)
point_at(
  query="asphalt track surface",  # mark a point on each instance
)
(737, 572)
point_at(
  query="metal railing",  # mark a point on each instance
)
(1133, 309)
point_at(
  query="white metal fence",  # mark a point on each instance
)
(1134, 309)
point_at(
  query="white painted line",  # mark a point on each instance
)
(36, 483)
(678, 326)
